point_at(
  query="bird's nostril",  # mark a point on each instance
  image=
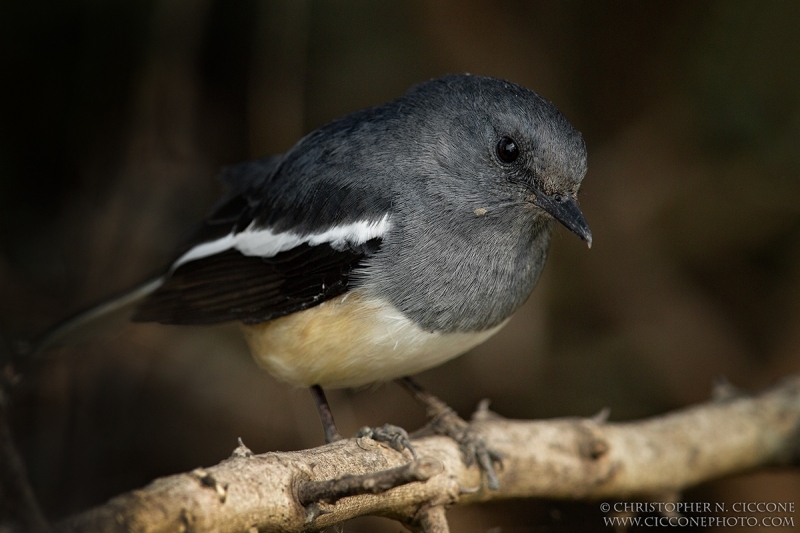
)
(558, 198)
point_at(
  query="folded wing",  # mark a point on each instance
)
(237, 266)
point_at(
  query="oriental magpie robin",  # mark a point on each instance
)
(383, 243)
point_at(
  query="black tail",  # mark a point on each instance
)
(101, 317)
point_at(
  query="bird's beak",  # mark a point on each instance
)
(564, 209)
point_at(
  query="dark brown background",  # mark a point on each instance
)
(115, 117)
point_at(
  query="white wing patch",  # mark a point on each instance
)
(262, 242)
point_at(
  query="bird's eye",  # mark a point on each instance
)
(507, 150)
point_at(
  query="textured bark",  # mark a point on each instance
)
(563, 458)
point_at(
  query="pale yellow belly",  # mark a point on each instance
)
(351, 341)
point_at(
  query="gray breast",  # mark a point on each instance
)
(459, 274)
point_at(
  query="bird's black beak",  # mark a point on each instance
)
(564, 209)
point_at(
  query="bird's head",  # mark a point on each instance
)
(507, 147)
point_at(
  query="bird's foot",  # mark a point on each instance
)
(396, 437)
(473, 447)
(445, 421)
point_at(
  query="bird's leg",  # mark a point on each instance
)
(395, 437)
(326, 417)
(445, 421)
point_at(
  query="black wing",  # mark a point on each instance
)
(231, 286)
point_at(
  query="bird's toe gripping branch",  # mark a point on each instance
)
(396, 437)
(473, 447)
(446, 422)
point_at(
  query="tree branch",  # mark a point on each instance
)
(563, 458)
(332, 490)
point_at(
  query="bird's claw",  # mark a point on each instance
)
(396, 437)
(473, 447)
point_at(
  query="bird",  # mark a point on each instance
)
(382, 244)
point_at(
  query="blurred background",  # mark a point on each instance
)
(116, 116)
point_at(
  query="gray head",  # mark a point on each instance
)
(496, 142)
(481, 167)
